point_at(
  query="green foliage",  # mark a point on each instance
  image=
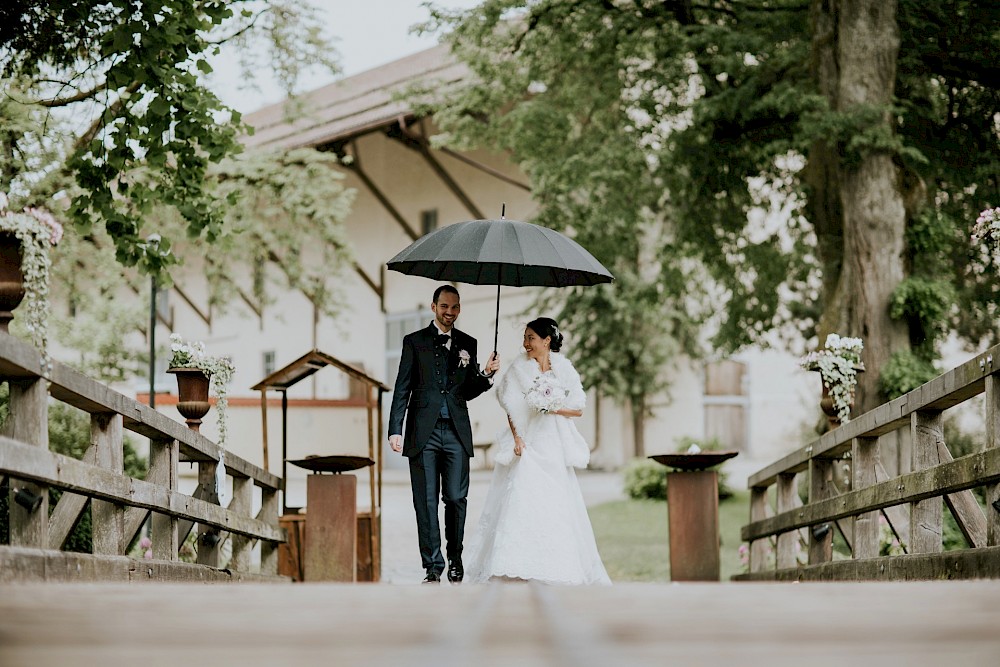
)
(132, 75)
(904, 372)
(962, 443)
(676, 141)
(645, 479)
(925, 304)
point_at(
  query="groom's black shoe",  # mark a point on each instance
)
(455, 571)
(432, 578)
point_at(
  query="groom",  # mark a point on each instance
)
(438, 374)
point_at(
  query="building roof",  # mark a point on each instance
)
(354, 105)
(312, 361)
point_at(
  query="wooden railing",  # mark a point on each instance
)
(120, 505)
(911, 504)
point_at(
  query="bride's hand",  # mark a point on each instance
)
(518, 445)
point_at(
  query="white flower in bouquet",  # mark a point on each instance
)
(546, 394)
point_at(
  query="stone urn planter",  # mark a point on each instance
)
(192, 395)
(826, 402)
(11, 278)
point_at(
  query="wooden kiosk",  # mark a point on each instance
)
(331, 526)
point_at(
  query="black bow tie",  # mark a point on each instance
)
(442, 340)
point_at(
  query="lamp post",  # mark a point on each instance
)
(152, 342)
(152, 243)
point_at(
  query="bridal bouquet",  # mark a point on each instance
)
(546, 394)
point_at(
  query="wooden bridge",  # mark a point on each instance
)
(911, 504)
(59, 608)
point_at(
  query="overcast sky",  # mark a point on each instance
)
(367, 33)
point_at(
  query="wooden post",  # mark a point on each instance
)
(864, 456)
(820, 488)
(965, 508)
(758, 512)
(242, 504)
(263, 417)
(209, 538)
(28, 422)
(693, 516)
(992, 440)
(926, 428)
(331, 542)
(163, 460)
(787, 495)
(269, 514)
(108, 519)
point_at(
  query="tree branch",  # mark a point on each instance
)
(114, 107)
(241, 31)
(79, 97)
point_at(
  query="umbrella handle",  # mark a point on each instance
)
(496, 328)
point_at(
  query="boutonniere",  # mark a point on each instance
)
(463, 358)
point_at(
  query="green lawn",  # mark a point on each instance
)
(632, 536)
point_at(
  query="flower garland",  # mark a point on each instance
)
(838, 365)
(219, 370)
(37, 231)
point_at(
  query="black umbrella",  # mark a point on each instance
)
(500, 252)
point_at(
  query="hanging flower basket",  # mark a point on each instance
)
(838, 365)
(11, 278)
(25, 240)
(192, 395)
(195, 370)
(828, 404)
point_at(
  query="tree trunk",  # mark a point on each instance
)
(639, 425)
(855, 46)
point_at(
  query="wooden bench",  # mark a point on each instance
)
(482, 452)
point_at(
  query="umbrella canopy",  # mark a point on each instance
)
(500, 252)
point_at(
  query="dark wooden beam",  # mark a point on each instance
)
(485, 168)
(207, 319)
(418, 142)
(355, 166)
(378, 289)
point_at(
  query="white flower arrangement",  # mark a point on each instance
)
(219, 370)
(546, 394)
(987, 227)
(838, 365)
(463, 358)
(37, 230)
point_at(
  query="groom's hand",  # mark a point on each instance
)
(396, 442)
(493, 365)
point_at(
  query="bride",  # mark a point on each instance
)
(534, 524)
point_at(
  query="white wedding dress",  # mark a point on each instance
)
(534, 525)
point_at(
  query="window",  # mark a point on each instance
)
(268, 359)
(396, 327)
(428, 221)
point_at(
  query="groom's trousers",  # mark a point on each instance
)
(440, 469)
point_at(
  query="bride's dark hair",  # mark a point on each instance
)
(546, 327)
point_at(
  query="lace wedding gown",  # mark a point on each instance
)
(534, 524)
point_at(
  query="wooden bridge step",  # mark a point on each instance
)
(914, 624)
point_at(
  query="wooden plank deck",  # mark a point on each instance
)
(738, 625)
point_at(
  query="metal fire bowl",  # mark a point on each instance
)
(699, 461)
(332, 464)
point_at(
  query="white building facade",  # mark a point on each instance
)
(759, 402)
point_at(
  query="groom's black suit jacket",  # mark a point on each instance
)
(430, 375)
